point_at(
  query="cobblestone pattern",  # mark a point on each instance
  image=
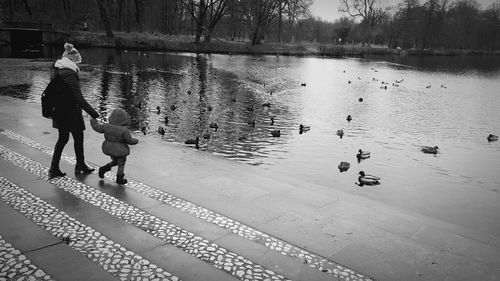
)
(196, 246)
(112, 257)
(242, 230)
(15, 266)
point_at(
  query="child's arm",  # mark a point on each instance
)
(96, 125)
(127, 137)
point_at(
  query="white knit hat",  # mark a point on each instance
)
(71, 53)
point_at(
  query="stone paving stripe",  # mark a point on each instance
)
(201, 248)
(313, 260)
(111, 256)
(16, 266)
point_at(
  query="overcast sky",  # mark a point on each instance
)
(327, 9)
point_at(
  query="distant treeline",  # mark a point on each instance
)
(433, 24)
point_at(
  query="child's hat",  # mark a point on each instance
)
(71, 53)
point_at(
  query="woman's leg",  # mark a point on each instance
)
(61, 142)
(80, 167)
(78, 143)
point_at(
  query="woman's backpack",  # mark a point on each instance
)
(50, 96)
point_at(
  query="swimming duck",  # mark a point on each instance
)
(210, 108)
(395, 85)
(276, 133)
(166, 120)
(400, 81)
(272, 121)
(430, 149)
(383, 87)
(194, 141)
(374, 79)
(303, 128)
(340, 133)
(366, 179)
(349, 82)
(266, 104)
(363, 154)
(214, 125)
(359, 78)
(428, 86)
(161, 131)
(188, 92)
(158, 110)
(173, 107)
(443, 86)
(349, 118)
(206, 135)
(384, 83)
(303, 84)
(360, 99)
(492, 137)
(344, 166)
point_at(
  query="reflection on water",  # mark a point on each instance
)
(449, 102)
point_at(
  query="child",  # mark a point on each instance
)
(117, 137)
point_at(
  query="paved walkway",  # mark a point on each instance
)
(189, 215)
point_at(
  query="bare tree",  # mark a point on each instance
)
(217, 9)
(368, 10)
(259, 14)
(297, 9)
(198, 10)
(103, 11)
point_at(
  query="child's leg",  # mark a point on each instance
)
(107, 167)
(120, 173)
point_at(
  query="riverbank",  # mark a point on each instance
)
(162, 42)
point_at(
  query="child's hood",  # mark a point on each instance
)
(119, 117)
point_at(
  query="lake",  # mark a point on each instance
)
(449, 102)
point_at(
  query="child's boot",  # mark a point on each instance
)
(103, 170)
(120, 179)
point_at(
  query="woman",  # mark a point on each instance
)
(68, 111)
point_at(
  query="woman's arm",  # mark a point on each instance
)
(74, 87)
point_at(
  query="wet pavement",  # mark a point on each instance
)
(189, 215)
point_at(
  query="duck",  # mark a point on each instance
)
(428, 86)
(188, 92)
(395, 85)
(303, 128)
(359, 78)
(194, 141)
(340, 133)
(272, 121)
(349, 82)
(383, 87)
(158, 110)
(173, 107)
(210, 108)
(430, 149)
(363, 154)
(374, 79)
(161, 131)
(206, 135)
(349, 118)
(266, 104)
(384, 83)
(303, 84)
(360, 99)
(344, 166)
(443, 86)
(276, 133)
(400, 81)
(214, 125)
(492, 137)
(166, 120)
(366, 179)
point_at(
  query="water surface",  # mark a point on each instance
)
(451, 102)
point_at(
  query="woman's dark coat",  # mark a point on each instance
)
(68, 110)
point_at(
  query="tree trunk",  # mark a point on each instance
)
(104, 17)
